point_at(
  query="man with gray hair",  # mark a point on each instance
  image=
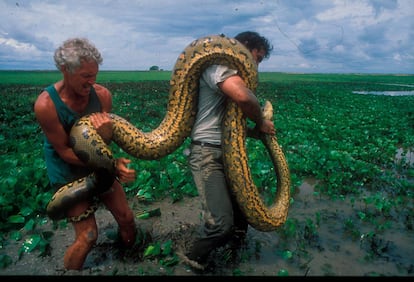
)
(57, 108)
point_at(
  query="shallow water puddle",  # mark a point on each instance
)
(386, 93)
(330, 239)
(406, 156)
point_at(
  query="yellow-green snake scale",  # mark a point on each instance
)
(175, 128)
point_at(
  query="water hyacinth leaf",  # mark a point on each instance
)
(143, 215)
(148, 196)
(29, 225)
(15, 219)
(44, 247)
(164, 181)
(189, 189)
(43, 199)
(26, 211)
(152, 250)
(282, 272)
(287, 255)
(5, 261)
(167, 248)
(16, 235)
(170, 260)
(31, 243)
(8, 183)
(147, 214)
(143, 176)
(47, 235)
(144, 195)
(3, 201)
(155, 212)
(43, 220)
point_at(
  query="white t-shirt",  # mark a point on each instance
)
(211, 105)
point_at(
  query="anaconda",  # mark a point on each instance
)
(176, 127)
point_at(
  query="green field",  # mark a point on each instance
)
(46, 77)
(347, 142)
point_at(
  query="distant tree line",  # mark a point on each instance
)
(155, 68)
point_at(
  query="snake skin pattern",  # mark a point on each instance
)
(175, 128)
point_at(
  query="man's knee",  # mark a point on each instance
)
(88, 237)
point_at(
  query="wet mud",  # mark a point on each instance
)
(323, 237)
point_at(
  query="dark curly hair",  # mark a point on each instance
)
(253, 40)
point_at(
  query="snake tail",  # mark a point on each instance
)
(84, 188)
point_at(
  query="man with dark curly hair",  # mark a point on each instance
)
(221, 215)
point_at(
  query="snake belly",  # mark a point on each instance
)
(176, 127)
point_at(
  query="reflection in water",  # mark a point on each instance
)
(405, 156)
(326, 237)
(329, 237)
(386, 93)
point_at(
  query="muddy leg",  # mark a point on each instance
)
(86, 235)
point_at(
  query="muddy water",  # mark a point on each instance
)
(331, 250)
(321, 242)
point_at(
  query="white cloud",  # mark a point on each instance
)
(308, 36)
(18, 46)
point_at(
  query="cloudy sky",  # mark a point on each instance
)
(339, 36)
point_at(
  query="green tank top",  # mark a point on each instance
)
(59, 171)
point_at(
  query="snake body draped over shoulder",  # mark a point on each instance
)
(175, 128)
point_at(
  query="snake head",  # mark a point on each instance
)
(267, 110)
(267, 113)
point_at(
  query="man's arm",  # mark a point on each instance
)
(48, 120)
(235, 88)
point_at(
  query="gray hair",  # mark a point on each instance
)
(73, 51)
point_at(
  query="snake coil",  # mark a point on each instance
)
(175, 128)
